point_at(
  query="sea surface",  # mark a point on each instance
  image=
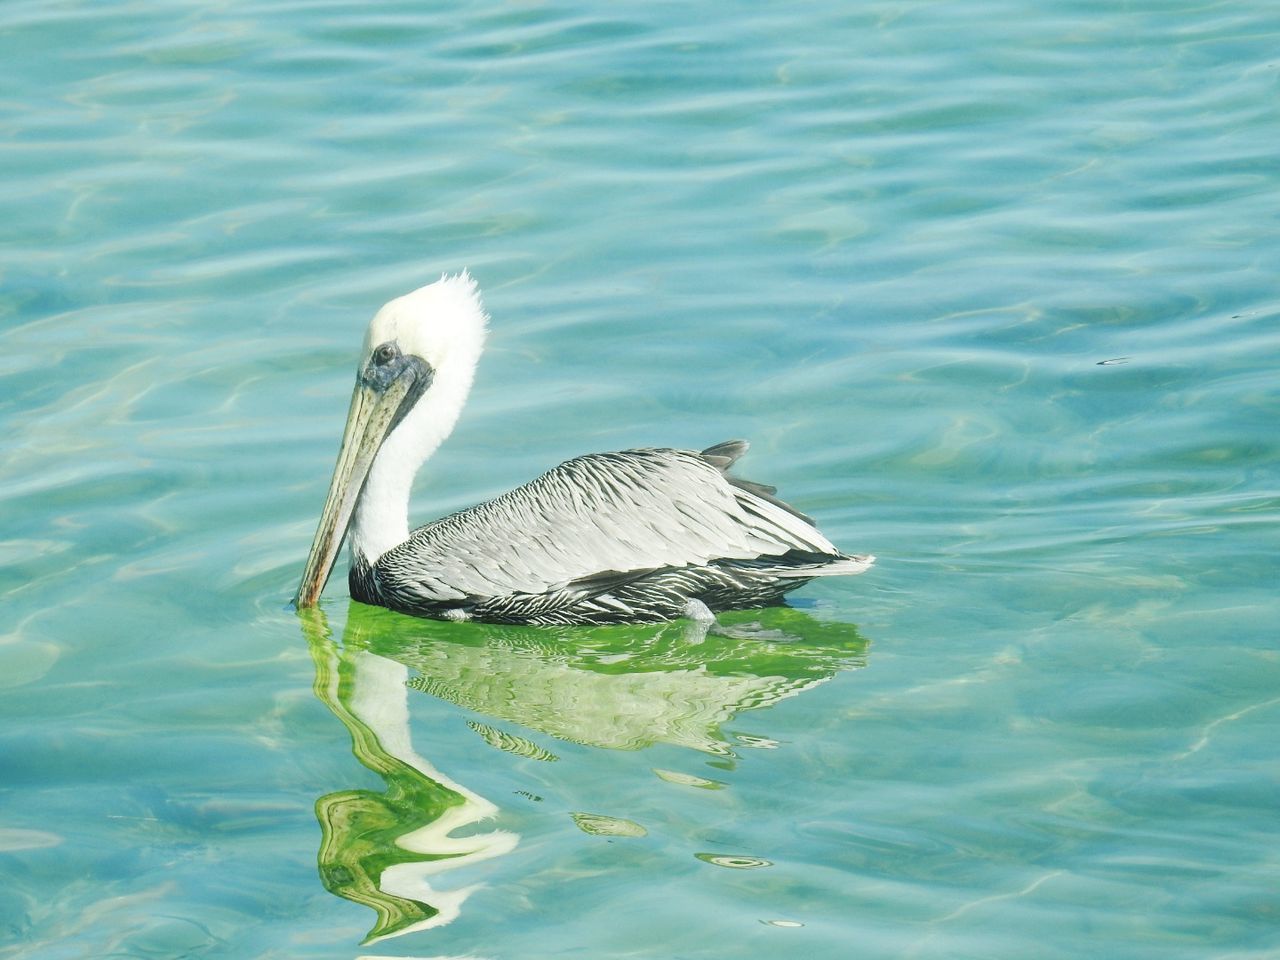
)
(993, 287)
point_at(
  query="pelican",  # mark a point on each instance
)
(630, 537)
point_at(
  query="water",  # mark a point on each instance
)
(991, 288)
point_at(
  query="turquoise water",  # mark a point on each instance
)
(991, 287)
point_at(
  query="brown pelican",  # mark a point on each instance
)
(634, 536)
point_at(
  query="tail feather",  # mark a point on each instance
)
(723, 455)
(758, 499)
(804, 565)
(845, 565)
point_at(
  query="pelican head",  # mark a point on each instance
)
(415, 371)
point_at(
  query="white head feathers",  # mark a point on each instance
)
(444, 324)
(440, 321)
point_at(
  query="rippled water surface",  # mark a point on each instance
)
(991, 286)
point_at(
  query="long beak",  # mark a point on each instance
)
(373, 413)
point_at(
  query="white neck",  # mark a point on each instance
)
(381, 518)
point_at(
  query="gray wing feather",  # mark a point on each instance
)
(636, 510)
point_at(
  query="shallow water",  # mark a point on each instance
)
(990, 286)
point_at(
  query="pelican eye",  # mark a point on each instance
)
(385, 353)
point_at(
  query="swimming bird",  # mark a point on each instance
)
(635, 536)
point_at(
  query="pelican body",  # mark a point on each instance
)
(635, 536)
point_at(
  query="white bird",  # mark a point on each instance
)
(636, 536)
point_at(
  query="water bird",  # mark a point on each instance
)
(635, 536)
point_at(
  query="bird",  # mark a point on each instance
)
(634, 536)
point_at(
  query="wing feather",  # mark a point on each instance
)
(610, 515)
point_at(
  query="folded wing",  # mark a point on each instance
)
(635, 510)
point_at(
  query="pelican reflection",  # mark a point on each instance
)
(616, 687)
(382, 849)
